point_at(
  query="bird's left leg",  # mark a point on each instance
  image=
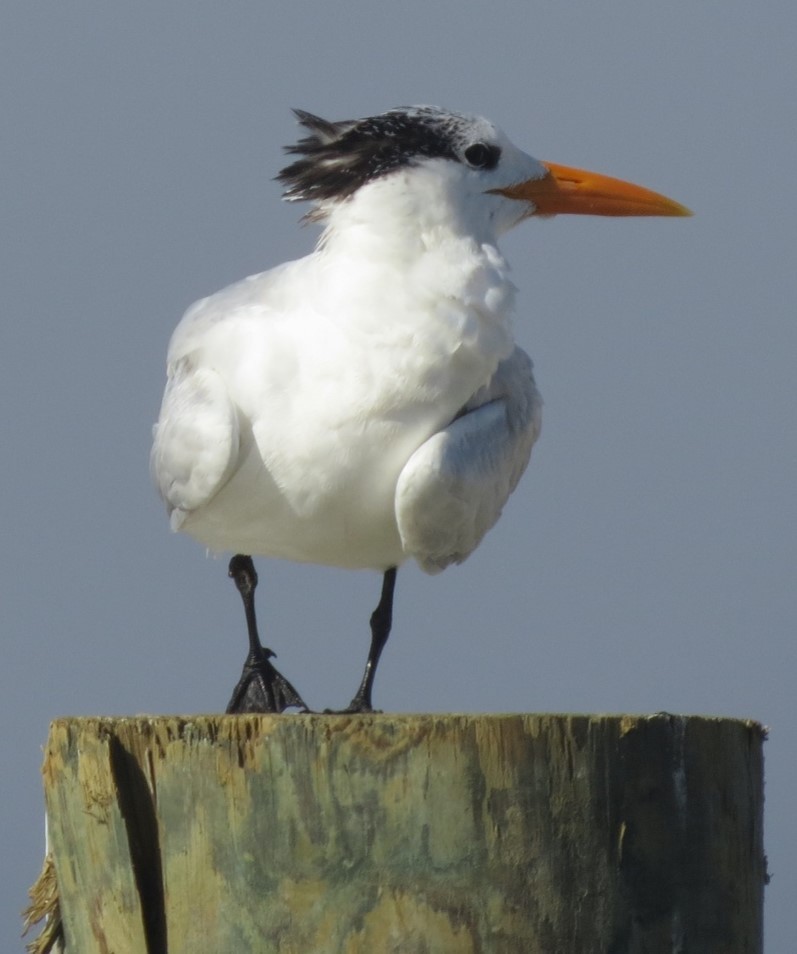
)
(261, 687)
(381, 621)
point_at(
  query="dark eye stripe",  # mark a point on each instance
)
(336, 158)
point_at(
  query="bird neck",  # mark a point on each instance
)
(400, 251)
(417, 272)
(406, 215)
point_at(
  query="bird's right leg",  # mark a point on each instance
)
(381, 623)
(261, 687)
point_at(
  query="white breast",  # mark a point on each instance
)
(327, 375)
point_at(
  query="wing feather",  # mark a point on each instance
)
(454, 487)
(196, 439)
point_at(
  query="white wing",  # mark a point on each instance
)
(196, 439)
(453, 488)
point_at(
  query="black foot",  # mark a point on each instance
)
(353, 710)
(357, 706)
(262, 688)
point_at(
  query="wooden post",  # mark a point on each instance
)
(397, 834)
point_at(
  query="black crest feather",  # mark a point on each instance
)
(336, 158)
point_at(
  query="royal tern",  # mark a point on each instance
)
(368, 404)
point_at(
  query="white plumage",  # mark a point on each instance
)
(366, 404)
(300, 400)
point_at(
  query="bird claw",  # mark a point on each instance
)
(357, 706)
(262, 688)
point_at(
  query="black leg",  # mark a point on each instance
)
(261, 687)
(381, 621)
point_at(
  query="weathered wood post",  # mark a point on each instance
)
(397, 834)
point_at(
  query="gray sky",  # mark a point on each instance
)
(647, 560)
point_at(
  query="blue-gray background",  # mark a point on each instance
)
(646, 561)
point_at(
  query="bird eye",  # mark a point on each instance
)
(480, 155)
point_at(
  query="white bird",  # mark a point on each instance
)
(368, 404)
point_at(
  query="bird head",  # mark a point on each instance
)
(445, 163)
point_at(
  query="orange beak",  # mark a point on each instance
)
(576, 191)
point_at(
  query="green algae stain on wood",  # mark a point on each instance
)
(430, 833)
